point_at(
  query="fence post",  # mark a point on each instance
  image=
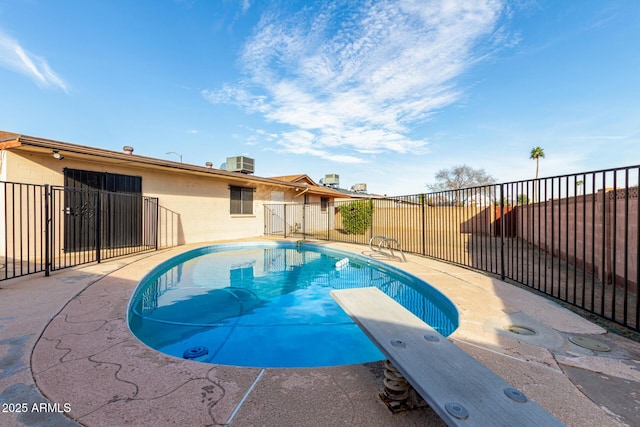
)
(370, 218)
(157, 204)
(284, 227)
(47, 230)
(424, 231)
(98, 225)
(502, 229)
(304, 218)
(330, 211)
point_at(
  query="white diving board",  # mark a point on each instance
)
(461, 390)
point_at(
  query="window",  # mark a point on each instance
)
(324, 202)
(241, 200)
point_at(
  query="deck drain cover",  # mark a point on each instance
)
(590, 344)
(521, 330)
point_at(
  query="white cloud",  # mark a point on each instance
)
(356, 78)
(303, 142)
(239, 96)
(14, 57)
(246, 4)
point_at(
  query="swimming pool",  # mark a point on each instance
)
(268, 305)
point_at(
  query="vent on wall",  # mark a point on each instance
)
(240, 164)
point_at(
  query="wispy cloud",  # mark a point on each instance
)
(246, 4)
(606, 17)
(599, 137)
(352, 80)
(16, 58)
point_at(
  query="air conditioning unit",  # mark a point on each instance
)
(331, 179)
(360, 187)
(240, 164)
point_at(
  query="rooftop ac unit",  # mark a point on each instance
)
(331, 179)
(360, 187)
(240, 164)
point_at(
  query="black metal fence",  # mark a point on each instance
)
(45, 228)
(573, 237)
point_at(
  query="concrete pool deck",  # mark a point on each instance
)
(65, 347)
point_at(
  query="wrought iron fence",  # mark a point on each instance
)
(573, 237)
(22, 227)
(45, 228)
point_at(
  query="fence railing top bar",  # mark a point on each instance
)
(425, 195)
(576, 174)
(22, 183)
(422, 197)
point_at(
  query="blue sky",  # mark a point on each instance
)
(381, 92)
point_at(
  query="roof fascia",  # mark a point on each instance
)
(24, 142)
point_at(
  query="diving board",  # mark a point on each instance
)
(461, 390)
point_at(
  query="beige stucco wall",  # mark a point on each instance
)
(21, 224)
(33, 168)
(193, 208)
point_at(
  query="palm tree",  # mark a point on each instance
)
(536, 153)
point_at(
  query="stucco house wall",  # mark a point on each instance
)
(194, 202)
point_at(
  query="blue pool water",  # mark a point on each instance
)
(268, 305)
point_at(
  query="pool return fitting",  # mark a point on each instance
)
(196, 352)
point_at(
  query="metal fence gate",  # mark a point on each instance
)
(45, 228)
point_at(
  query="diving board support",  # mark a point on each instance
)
(461, 390)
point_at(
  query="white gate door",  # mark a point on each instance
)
(277, 212)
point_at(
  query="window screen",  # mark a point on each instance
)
(241, 200)
(324, 202)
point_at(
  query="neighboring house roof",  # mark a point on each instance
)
(312, 187)
(296, 178)
(13, 141)
(358, 195)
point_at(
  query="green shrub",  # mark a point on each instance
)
(356, 216)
